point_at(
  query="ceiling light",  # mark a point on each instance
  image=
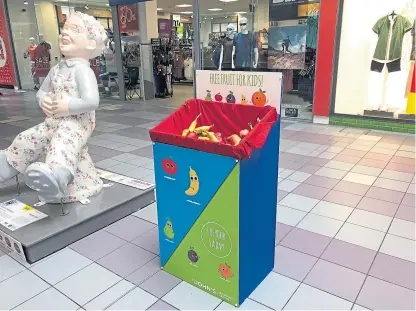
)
(212, 18)
(159, 9)
(25, 2)
(242, 12)
(215, 9)
(183, 5)
(186, 12)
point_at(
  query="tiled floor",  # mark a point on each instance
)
(345, 235)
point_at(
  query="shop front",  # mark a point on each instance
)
(35, 28)
(262, 35)
(373, 85)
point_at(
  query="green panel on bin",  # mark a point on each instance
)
(208, 255)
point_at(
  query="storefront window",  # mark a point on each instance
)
(36, 25)
(265, 35)
(376, 58)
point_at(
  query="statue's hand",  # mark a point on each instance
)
(47, 105)
(60, 107)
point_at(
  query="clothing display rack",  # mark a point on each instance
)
(162, 67)
(182, 65)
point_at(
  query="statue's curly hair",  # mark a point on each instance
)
(95, 31)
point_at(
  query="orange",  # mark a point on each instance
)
(259, 99)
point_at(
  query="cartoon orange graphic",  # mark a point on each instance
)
(259, 99)
(225, 271)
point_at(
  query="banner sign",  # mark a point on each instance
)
(165, 26)
(6, 65)
(121, 2)
(127, 18)
(241, 87)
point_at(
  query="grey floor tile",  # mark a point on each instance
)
(110, 296)
(127, 259)
(137, 299)
(87, 284)
(9, 267)
(160, 284)
(160, 305)
(145, 272)
(122, 168)
(139, 172)
(50, 299)
(107, 163)
(12, 293)
(149, 241)
(140, 161)
(129, 228)
(97, 245)
(144, 152)
(60, 266)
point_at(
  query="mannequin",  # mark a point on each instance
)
(245, 46)
(392, 34)
(30, 53)
(227, 47)
(68, 97)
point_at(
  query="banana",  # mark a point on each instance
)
(193, 124)
(194, 183)
(185, 132)
(203, 138)
(202, 129)
(212, 137)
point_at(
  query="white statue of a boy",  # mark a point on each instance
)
(68, 97)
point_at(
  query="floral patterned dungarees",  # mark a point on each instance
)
(63, 140)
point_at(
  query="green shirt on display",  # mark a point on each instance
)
(401, 25)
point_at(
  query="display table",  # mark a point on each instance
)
(50, 234)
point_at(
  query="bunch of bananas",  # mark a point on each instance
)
(202, 132)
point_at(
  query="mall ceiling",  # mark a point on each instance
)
(170, 6)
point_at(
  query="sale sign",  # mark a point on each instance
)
(127, 16)
(6, 65)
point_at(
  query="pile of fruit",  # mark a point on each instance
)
(205, 133)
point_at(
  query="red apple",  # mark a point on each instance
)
(169, 166)
(218, 97)
(244, 133)
(193, 135)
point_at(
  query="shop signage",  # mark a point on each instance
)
(6, 66)
(164, 26)
(127, 18)
(42, 61)
(120, 2)
(241, 87)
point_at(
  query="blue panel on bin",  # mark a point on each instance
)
(258, 203)
(178, 211)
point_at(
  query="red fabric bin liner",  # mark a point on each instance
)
(227, 119)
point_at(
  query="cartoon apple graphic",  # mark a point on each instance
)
(230, 98)
(169, 166)
(218, 97)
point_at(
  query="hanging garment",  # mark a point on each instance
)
(227, 53)
(244, 47)
(390, 31)
(189, 69)
(178, 67)
(287, 80)
(312, 36)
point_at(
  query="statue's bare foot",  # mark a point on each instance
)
(6, 170)
(51, 185)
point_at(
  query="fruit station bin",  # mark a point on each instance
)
(216, 203)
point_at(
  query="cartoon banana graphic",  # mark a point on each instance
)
(194, 183)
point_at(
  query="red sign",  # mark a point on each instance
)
(6, 65)
(127, 16)
(42, 61)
